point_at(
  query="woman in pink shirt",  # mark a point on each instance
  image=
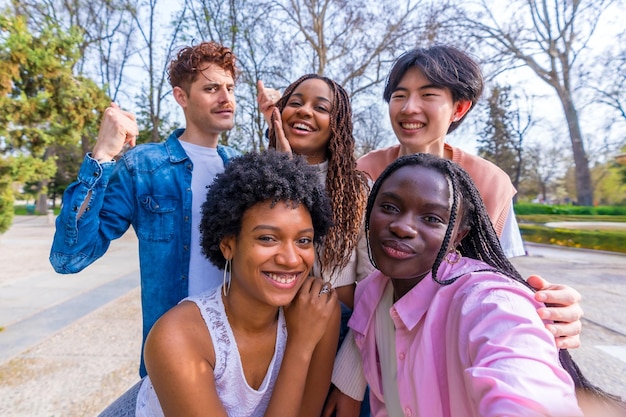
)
(448, 327)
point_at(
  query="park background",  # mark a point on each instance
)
(552, 116)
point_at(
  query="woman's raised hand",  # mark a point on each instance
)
(307, 316)
(266, 99)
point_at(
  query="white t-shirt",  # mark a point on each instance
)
(511, 239)
(203, 275)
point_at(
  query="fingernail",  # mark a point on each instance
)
(540, 296)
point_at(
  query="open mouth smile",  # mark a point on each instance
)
(302, 126)
(284, 278)
(412, 125)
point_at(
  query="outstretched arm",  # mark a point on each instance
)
(562, 307)
(506, 356)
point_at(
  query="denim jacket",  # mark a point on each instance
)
(150, 189)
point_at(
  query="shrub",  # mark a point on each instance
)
(589, 239)
(532, 208)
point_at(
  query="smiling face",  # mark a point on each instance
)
(273, 254)
(306, 119)
(421, 113)
(209, 104)
(408, 222)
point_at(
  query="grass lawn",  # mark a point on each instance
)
(579, 231)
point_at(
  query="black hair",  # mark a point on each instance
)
(254, 178)
(481, 242)
(445, 67)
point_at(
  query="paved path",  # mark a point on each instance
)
(69, 344)
(601, 279)
(589, 225)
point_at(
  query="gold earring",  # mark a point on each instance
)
(453, 257)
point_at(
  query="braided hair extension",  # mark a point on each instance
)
(346, 187)
(481, 242)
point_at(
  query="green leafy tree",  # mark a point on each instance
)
(498, 141)
(42, 103)
(610, 189)
(6, 195)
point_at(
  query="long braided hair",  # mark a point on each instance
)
(346, 187)
(481, 242)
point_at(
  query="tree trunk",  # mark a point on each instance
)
(584, 188)
(42, 203)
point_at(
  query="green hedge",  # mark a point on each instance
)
(589, 239)
(27, 210)
(531, 208)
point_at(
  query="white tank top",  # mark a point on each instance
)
(238, 398)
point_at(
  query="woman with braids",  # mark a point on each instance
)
(263, 343)
(448, 327)
(313, 118)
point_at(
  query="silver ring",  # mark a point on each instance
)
(325, 289)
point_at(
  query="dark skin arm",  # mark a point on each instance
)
(180, 358)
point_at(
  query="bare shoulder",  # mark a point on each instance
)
(179, 319)
(181, 332)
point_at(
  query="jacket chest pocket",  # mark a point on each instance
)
(156, 218)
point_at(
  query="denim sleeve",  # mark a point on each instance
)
(78, 242)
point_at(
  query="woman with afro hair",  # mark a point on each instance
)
(263, 343)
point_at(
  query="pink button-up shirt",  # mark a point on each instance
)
(472, 348)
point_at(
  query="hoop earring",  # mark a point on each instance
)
(226, 283)
(453, 257)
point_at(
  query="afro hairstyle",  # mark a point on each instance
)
(254, 178)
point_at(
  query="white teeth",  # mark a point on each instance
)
(302, 126)
(282, 278)
(412, 125)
